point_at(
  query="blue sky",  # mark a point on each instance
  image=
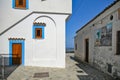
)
(82, 12)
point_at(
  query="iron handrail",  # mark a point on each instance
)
(2, 68)
(3, 65)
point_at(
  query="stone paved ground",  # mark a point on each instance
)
(73, 71)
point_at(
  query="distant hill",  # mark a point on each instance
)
(69, 50)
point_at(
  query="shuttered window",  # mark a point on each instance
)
(118, 43)
(38, 33)
(20, 4)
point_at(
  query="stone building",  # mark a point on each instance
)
(98, 42)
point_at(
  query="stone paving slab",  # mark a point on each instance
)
(73, 71)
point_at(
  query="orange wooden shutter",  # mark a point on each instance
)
(38, 32)
(20, 3)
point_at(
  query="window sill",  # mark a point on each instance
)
(38, 38)
(20, 8)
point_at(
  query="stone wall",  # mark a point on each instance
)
(102, 57)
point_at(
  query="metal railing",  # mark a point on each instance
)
(4, 63)
(2, 67)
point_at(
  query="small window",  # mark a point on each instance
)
(118, 43)
(38, 33)
(111, 17)
(22, 4)
(38, 30)
(109, 68)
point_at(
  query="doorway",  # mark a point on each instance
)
(16, 54)
(16, 51)
(87, 50)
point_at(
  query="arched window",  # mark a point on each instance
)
(38, 30)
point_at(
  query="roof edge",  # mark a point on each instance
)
(99, 14)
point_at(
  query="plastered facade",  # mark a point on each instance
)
(46, 52)
(100, 56)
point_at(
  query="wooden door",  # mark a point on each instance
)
(16, 54)
(87, 50)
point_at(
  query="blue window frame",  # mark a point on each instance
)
(10, 50)
(26, 5)
(34, 31)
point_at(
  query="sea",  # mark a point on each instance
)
(69, 50)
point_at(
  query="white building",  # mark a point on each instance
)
(32, 32)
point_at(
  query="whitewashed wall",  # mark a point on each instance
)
(47, 52)
(10, 16)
